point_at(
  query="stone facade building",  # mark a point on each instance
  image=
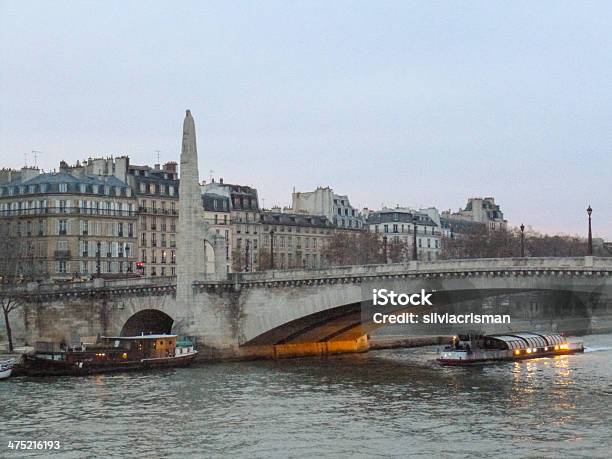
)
(298, 239)
(480, 210)
(68, 224)
(398, 226)
(243, 234)
(218, 216)
(323, 201)
(156, 190)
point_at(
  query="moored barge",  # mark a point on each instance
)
(476, 349)
(109, 354)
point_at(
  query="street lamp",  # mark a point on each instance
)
(99, 244)
(128, 267)
(385, 249)
(522, 240)
(246, 257)
(271, 249)
(414, 242)
(590, 211)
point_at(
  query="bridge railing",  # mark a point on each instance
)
(463, 265)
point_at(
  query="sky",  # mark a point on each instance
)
(411, 103)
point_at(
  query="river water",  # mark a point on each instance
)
(383, 403)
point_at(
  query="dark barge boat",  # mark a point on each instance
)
(108, 355)
(476, 349)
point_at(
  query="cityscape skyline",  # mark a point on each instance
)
(509, 101)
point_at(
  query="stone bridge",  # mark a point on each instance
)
(294, 312)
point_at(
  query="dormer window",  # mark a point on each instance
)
(171, 190)
(63, 187)
(94, 189)
(31, 188)
(83, 188)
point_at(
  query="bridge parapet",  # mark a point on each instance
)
(144, 285)
(581, 264)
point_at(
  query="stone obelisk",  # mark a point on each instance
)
(191, 263)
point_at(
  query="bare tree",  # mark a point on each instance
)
(356, 248)
(480, 242)
(264, 259)
(399, 251)
(18, 265)
(8, 305)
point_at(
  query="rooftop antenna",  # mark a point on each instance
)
(263, 202)
(158, 152)
(36, 153)
(25, 159)
(211, 172)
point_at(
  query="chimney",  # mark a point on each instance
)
(221, 180)
(170, 167)
(157, 167)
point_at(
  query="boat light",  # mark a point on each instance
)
(556, 347)
(546, 348)
(528, 350)
(517, 352)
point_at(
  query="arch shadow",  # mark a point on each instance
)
(148, 321)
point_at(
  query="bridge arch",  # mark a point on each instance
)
(148, 321)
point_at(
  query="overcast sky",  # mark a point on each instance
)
(412, 103)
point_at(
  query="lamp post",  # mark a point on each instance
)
(246, 257)
(385, 249)
(414, 243)
(522, 240)
(128, 268)
(271, 249)
(98, 245)
(590, 211)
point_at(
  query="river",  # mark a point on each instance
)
(383, 403)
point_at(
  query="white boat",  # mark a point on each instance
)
(475, 349)
(6, 368)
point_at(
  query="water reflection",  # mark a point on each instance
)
(393, 402)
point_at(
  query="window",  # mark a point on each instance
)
(62, 267)
(395, 228)
(61, 227)
(386, 228)
(63, 187)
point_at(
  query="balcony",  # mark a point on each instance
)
(61, 254)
